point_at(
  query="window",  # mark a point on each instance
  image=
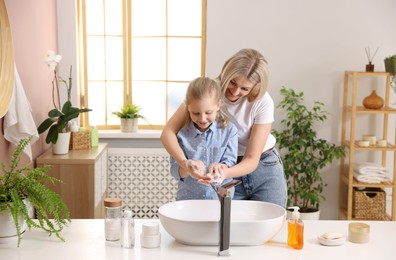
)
(144, 51)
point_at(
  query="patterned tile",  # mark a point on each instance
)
(141, 180)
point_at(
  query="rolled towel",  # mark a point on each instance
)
(369, 168)
(373, 178)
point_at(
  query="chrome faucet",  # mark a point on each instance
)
(223, 193)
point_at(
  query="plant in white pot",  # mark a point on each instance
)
(59, 117)
(129, 115)
(23, 189)
(303, 153)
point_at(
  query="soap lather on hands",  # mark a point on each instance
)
(197, 170)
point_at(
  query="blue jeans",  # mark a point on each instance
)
(266, 183)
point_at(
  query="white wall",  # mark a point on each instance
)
(308, 44)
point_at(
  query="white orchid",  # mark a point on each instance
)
(61, 115)
(52, 59)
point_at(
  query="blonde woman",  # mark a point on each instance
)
(244, 81)
(206, 139)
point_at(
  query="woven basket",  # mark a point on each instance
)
(369, 204)
(80, 140)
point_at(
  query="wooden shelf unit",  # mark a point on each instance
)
(349, 112)
(84, 176)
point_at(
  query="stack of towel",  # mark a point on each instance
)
(368, 172)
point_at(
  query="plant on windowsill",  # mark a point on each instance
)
(303, 153)
(59, 118)
(21, 189)
(129, 115)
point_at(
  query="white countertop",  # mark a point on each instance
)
(85, 241)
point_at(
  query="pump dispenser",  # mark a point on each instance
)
(295, 227)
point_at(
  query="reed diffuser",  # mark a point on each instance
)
(370, 65)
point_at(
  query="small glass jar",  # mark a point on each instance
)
(359, 232)
(112, 218)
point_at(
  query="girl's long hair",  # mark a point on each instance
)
(206, 87)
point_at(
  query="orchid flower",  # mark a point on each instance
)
(52, 59)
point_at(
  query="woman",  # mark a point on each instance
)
(244, 81)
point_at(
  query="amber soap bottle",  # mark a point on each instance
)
(295, 230)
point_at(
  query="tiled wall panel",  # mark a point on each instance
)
(140, 177)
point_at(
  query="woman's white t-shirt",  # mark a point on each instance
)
(245, 114)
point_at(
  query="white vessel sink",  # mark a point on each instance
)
(196, 222)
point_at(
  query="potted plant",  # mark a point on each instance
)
(129, 114)
(22, 188)
(390, 66)
(59, 118)
(303, 153)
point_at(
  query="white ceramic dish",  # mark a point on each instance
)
(196, 222)
(331, 241)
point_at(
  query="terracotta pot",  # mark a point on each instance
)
(373, 101)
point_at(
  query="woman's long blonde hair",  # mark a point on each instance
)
(206, 87)
(248, 63)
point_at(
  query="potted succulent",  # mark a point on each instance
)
(129, 115)
(21, 190)
(59, 117)
(303, 153)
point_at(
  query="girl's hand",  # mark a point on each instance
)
(216, 173)
(196, 169)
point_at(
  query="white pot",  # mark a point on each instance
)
(129, 125)
(8, 232)
(305, 215)
(62, 145)
(310, 215)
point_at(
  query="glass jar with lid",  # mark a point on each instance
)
(113, 209)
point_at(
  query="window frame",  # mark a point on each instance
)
(127, 50)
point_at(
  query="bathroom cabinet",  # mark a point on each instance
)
(84, 179)
(357, 119)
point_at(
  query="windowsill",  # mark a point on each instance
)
(140, 134)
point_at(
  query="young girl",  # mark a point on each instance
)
(207, 139)
(244, 82)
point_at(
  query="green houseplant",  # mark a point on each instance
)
(303, 153)
(58, 117)
(21, 184)
(390, 66)
(58, 121)
(129, 114)
(129, 110)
